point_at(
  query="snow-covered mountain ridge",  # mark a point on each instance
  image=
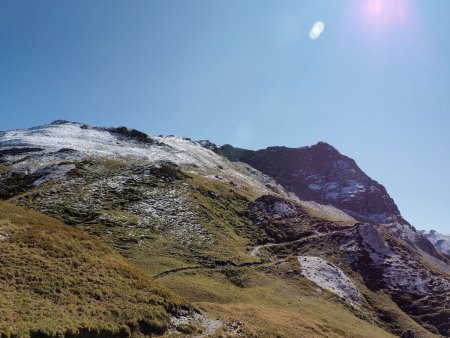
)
(44, 146)
(317, 174)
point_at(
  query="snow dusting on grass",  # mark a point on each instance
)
(42, 149)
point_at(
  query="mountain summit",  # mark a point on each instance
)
(322, 174)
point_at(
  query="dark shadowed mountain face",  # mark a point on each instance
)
(320, 173)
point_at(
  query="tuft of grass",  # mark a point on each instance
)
(189, 329)
(3, 168)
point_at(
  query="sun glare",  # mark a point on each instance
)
(382, 19)
(386, 12)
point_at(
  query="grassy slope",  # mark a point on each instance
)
(276, 299)
(266, 299)
(269, 305)
(57, 279)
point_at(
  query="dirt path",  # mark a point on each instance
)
(207, 267)
(255, 251)
(168, 272)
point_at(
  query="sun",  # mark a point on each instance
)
(386, 12)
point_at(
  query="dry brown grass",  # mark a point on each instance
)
(267, 322)
(3, 168)
(56, 279)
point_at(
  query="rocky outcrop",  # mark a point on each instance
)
(285, 221)
(388, 263)
(320, 173)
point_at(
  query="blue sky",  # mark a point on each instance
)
(375, 84)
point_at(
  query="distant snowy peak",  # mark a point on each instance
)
(440, 241)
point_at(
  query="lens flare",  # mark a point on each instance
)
(382, 14)
(317, 30)
(382, 21)
(386, 12)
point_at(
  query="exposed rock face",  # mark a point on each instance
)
(320, 173)
(284, 221)
(408, 334)
(387, 263)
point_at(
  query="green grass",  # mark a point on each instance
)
(271, 305)
(55, 279)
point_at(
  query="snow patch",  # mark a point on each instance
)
(329, 277)
(52, 172)
(315, 187)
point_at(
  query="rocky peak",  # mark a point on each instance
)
(209, 145)
(60, 122)
(323, 146)
(320, 173)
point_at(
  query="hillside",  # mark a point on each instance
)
(225, 236)
(58, 280)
